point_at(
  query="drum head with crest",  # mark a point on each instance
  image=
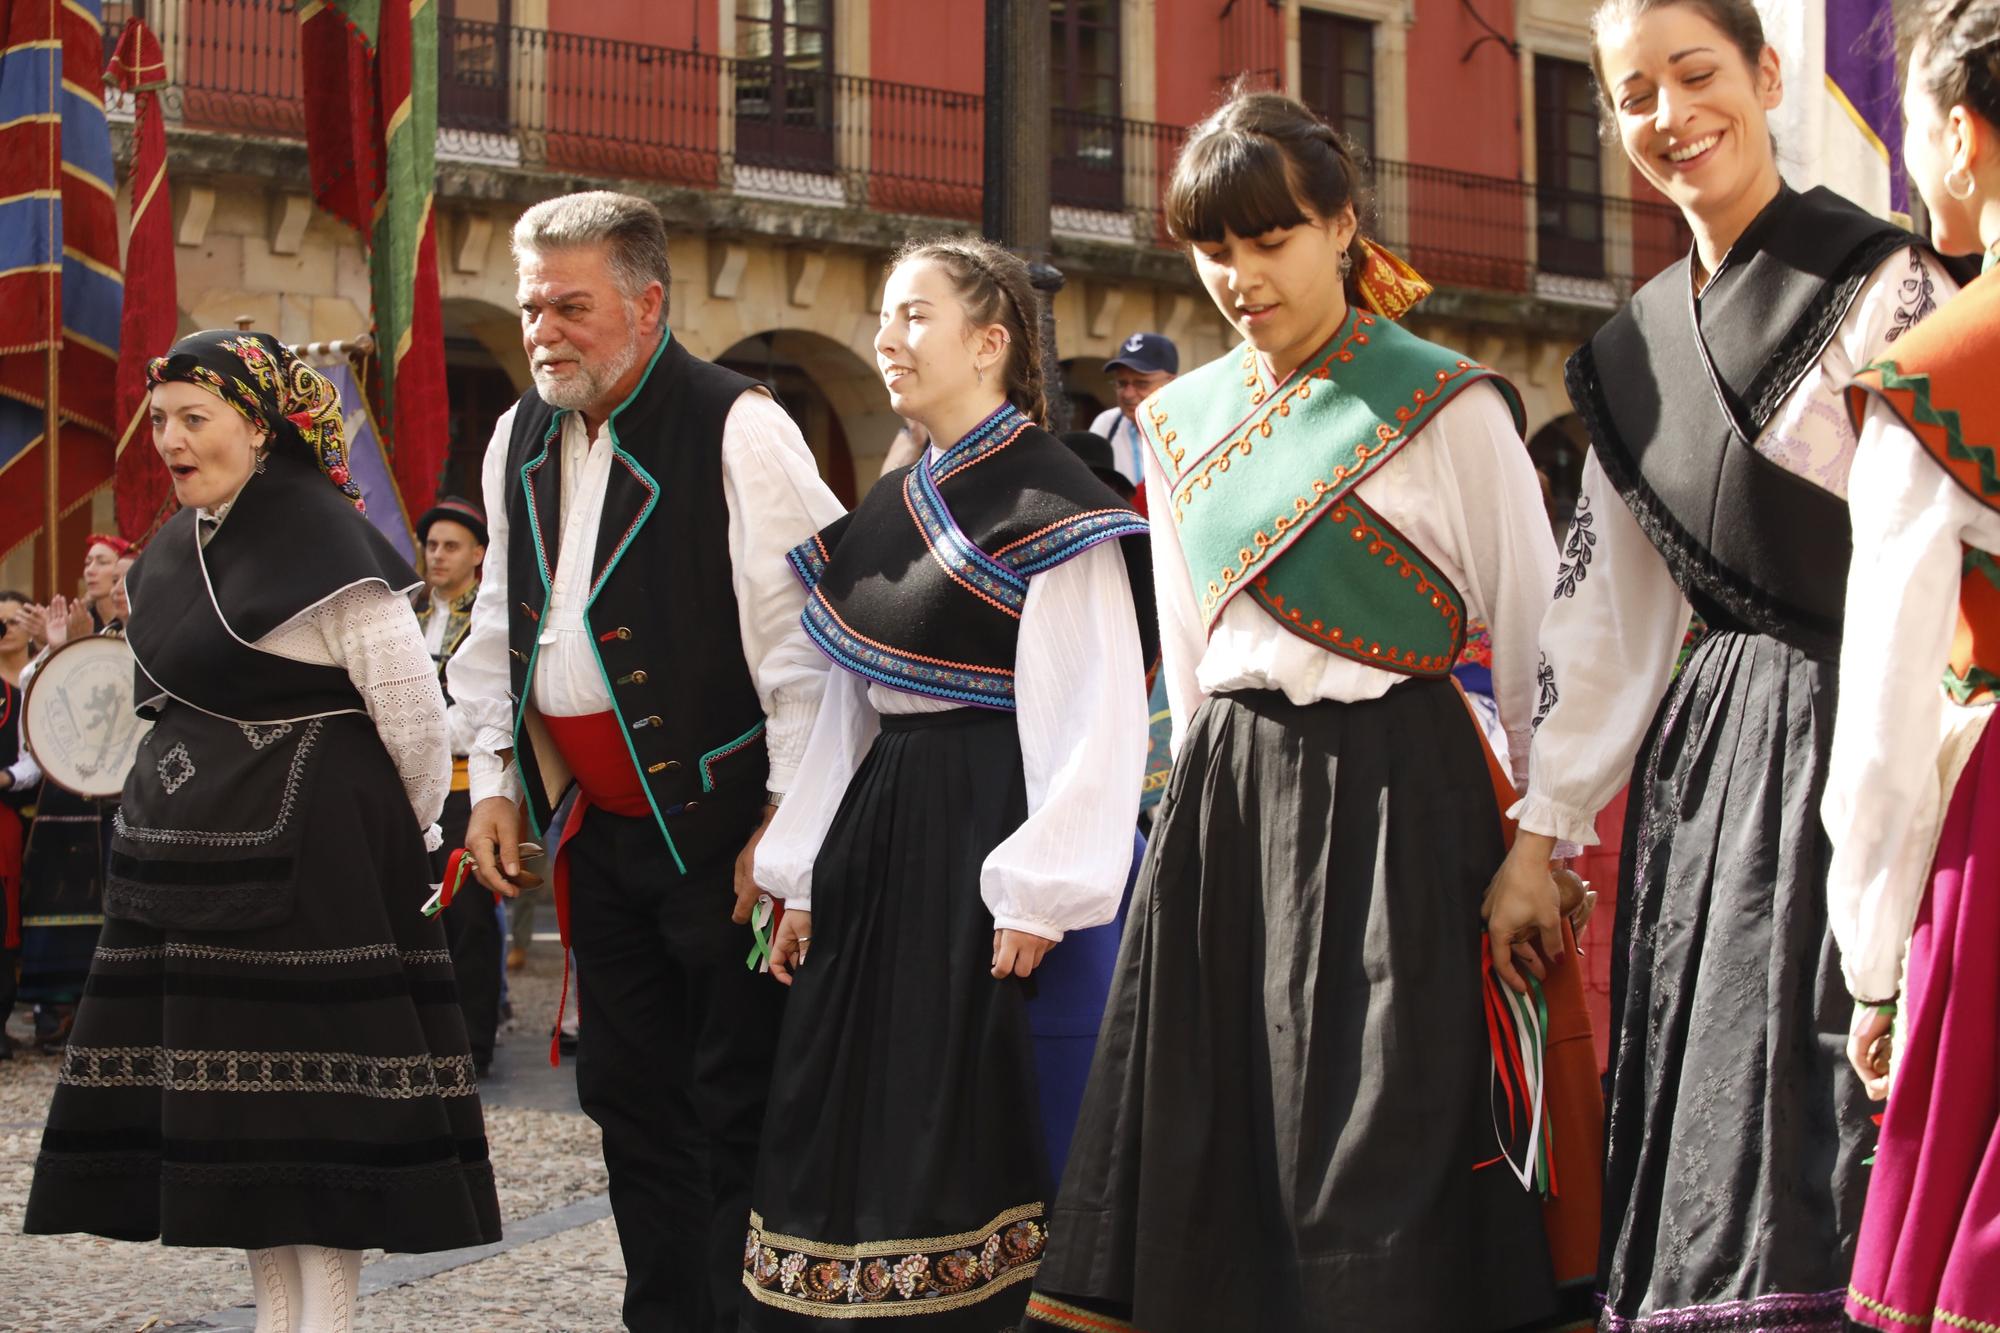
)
(78, 720)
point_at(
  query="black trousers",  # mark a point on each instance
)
(472, 933)
(674, 1065)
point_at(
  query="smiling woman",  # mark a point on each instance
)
(1735, 1139)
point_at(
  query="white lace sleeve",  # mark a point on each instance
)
(374, 634)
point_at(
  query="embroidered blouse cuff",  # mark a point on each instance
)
(1032, 925)
(1538, 814)
(781, 778)
(433, 838)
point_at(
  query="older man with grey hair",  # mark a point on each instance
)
(632, 673)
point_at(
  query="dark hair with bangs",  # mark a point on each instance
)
(1258, 163)
(1961, 52)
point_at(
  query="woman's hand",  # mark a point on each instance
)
(81, 626)
(1871, 1025)
(1523, 907)
(56, 621)
(1016, 953)
(788, 947)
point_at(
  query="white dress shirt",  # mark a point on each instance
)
(1898, 743)
(1128, 447)
(1080, 692)
(1613, 633)
(1465, 493)
(767, 471)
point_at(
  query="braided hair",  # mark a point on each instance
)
(1256, 165)
(992, 283)
(1960, 63)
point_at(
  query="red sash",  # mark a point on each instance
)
(594, 748)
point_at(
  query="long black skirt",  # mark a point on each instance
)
(303, 1083)
(903, 1170)
(1736, 1133)
(1291, 1094)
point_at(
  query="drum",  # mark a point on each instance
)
(78, 720)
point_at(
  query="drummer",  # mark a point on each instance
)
(62, 899)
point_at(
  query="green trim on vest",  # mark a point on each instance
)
(1957, 446)
(1262, 466)
(590, 597)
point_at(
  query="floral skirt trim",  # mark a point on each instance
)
(1791, 1312)
(1047, 1311)
(893, 1277)
(1866, 1310)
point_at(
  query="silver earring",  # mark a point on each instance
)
(979, 372)
(1958, 183)
(1346, 265)
(257, 462)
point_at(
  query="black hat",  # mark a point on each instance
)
(459, 511)
(1147, 353)
(1095, 451)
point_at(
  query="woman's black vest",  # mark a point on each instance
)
(660, 605)
(1675, 389)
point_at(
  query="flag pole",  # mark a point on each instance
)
(52, 381)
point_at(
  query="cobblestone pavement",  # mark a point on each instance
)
(558, 1269)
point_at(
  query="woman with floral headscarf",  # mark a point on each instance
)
(269, 1054)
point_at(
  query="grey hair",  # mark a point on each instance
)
(629, 228)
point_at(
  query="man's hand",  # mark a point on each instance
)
(1524, 907)
(1869, 1026)
(789, 945)
(1017, 952)
(746, 872)
(493, 841)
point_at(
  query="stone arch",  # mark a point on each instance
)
(836, 397)
(485, 372)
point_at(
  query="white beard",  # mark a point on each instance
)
(587, 384)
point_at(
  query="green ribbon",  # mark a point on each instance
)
(760, 934)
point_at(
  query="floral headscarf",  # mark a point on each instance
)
(272, 389)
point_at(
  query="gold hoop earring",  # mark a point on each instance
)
(1958, 183)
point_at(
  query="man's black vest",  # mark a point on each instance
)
(659, 604)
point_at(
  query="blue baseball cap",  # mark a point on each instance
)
(1147, 353)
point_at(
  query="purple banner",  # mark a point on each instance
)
(365, 462)
(1861, 65)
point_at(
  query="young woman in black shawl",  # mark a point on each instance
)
(967, 797)
(1717, 483)
(269, 1054)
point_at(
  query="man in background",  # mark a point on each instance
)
(453, 535)
(1145, 361)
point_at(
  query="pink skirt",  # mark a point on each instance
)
(1929, 1251)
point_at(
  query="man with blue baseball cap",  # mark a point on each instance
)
(1144, 362)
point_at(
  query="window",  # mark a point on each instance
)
(1569, 190)
(1088, 146)
(1337, 73)
(784, 82)
(473, 49)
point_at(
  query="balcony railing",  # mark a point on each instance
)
(589, 106)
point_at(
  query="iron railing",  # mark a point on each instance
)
(590, 106)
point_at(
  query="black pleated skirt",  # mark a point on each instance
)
(1736, 1132)
(1290, 1098)
(303, 1083)
(902, 1171)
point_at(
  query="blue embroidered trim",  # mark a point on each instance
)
(987, 438)
(962, 561)
(1053, 545)
(954, 681)
(723, 752)
(808, 561)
